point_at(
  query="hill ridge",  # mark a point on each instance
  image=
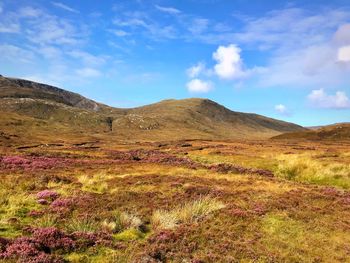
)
(190, 118)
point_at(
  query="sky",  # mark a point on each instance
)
(288, 60)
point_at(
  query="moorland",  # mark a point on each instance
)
(176, 181)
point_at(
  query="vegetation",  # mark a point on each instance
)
(187, 213)
(199, 201)
(304, 168)
(89, 197)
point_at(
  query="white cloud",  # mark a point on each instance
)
(169, 10)
(65, 7)
(200, 86)
(320, 99)
(196, 70)
(282, 109)
(229, 60)
(342, 36)
(344, 54)
(88, 73)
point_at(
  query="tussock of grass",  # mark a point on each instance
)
(305, 169)
(94, 184)
(81, 225)
(47, 220)
(122, 221)
(187, 213)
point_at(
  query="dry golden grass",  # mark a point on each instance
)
(187, 213)
(304, 168)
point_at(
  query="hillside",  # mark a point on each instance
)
(165, 120)
(339, 131)
(201, 118)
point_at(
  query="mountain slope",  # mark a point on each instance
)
(201, 118)
(165, 120)
(20, 88)
(339, 131)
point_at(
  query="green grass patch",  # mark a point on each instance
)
(303, 168)
(129, 234)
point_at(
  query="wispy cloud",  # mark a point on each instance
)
(88, 73)
(196, 70)
(87, 58)
(9, 27)
(29, 12)
(198, 25)
(120, 33)
(11, 53)
(141, 24)
(167, 9)
(65, 7)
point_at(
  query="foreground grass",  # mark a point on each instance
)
(304, 168)
(187, 213)
(132, 211)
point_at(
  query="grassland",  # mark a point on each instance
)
(180, 201)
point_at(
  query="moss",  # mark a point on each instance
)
(77, 258)
(129, 234)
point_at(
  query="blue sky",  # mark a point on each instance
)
(284, 59)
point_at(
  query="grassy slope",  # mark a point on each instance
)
(171, 119)
(207, 119)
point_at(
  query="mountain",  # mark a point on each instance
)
(338, 131)
(44, 110)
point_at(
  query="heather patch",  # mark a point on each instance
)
(32, 163)
(46, 244)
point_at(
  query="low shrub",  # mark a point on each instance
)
(47, 195)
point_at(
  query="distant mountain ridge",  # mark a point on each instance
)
(337, 131)
(166, 120)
